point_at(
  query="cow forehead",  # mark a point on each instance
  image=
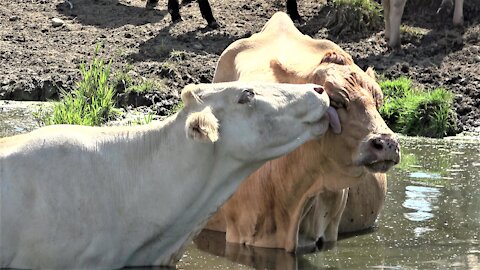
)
(349, 78)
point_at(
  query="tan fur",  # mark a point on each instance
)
(294, 200)
(365, 201)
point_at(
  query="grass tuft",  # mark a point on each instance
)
(91, 103)
(415, 112)
(125, 82)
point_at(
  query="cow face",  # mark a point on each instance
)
(365, 141)
(255, 121)
(358, 138)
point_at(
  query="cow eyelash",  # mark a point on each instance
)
(338, 105)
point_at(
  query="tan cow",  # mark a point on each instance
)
(76, 197)
(297, 199)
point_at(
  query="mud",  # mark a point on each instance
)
(39, 55)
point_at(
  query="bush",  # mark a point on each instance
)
(91, 103)
(415, 112)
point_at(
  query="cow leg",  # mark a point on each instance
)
(331, 232)
(206, 11)
(395, 18)
(386, 15)
(292, 10)
(458, 13)
(174, 10)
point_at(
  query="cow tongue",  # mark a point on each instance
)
(334, 120)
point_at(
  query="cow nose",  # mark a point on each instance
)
(386, 145)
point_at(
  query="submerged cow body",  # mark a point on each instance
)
(292, 201)
(77, 197)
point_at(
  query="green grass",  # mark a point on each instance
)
(349, 17)
(141, 120)
(91, 103)
(416, 112)
(176, 108)
(178, 55)
(124, 82)
(413, 31)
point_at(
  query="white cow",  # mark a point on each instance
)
(393, 11)
(76, 197)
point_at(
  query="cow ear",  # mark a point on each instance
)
(189, 96)
(202, 126)
(375, 88)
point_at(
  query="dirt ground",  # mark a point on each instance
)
(36, 57)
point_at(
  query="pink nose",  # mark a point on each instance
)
(386, 146)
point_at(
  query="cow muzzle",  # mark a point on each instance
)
(380, 152)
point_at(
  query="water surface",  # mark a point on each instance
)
(17, 117)
(431, 220)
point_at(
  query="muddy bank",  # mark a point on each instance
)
(39, 55)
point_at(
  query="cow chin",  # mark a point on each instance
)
(380, 166)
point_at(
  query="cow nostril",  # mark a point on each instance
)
(377, 144)
(319, 89)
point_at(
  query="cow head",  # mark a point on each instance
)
(255, 122)
(358, 140)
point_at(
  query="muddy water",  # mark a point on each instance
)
(431, 220)
(17, 117)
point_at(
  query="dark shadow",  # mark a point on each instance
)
(110, 13)
(259, 258)
(200, 41)
(342, 236)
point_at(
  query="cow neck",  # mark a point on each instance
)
(337, 174)
(164, 164)
(206, 170)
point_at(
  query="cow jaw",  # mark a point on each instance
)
(380, 166)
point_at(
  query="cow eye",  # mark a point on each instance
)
(338, 104)
(247, 96)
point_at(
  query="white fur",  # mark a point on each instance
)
(75, 197)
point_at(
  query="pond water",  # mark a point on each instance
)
(431, 220)
(17, 117)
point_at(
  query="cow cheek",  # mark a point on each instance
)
(355, 127)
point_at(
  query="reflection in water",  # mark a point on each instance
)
(420, 199)
(259, 258)
(424, 175)
(431, 220)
